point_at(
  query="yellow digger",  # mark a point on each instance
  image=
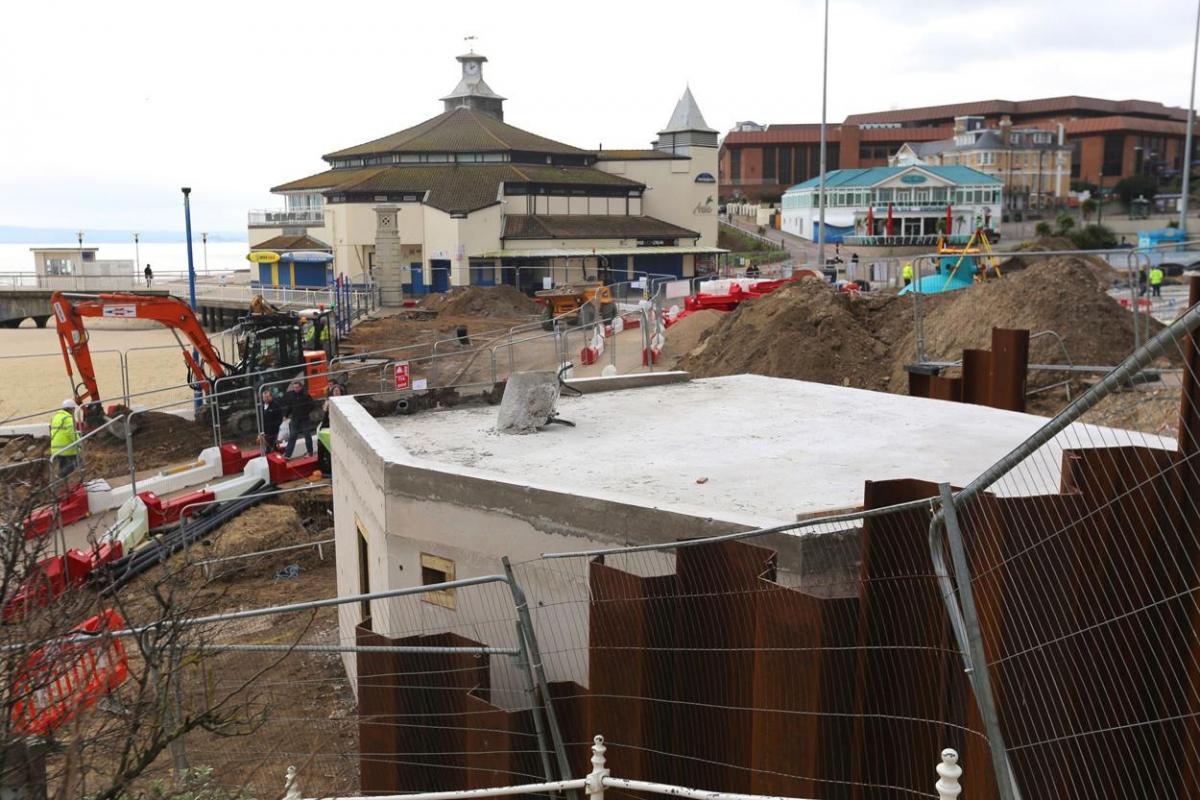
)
(576, 304)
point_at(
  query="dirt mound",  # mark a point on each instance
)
(1059, 294)
(262, 527)
(161, 440)
(1103, 273)
(687, 334)
(806, 330)
(482, 301)
(811, 332)
(23, 448)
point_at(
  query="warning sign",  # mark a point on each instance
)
(123, 311)
(403, 378)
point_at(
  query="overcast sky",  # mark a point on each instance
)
(106, 109)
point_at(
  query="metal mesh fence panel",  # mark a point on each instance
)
(429, 692)
(812, 663)
(1082, 560)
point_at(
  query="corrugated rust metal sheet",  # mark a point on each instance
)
(995, 377)
(977, 377)
(1010, 368)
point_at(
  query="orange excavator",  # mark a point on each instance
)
(273, 346)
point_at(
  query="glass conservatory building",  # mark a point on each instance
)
(896, 205)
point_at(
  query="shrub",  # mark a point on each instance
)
(1129, 189)
(1094, 237)
(1042, 229)
(1065, 222)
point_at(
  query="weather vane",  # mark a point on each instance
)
(468, 40)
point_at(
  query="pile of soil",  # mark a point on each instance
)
(1058, 294)
(809, 331)
(1103, 273)
(161, 440)
(687, 334)
(482, 301)
(24, 474)
(262, 527)
(805, 330)
(402, 332)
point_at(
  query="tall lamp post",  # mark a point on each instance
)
(187, 229)
(821, 187)
(1187, 147)
(79, 238)
(204, 244)
(137, 256)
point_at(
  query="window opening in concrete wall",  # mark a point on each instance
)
(435, 570)
(364, 572)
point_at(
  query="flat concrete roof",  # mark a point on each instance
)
(769, 448)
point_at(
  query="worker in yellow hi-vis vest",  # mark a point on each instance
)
(1156, 279)
(907, 273)
(64, 439)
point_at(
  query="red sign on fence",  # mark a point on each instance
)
(403, 378)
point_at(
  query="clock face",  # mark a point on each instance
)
(471, 68)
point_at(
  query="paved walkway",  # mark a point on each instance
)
(800, 250)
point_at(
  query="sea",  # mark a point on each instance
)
(164, 257)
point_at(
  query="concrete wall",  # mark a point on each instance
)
(409, 506)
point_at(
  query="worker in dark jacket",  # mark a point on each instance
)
(272, 412)
(298, 407)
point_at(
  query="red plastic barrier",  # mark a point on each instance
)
(51, 577)
(165, 512)
(72, 508)
(234, 459)
(282, 470)
(649, 356)
(58, 682)
(587, 356)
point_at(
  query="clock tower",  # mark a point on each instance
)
(471, 91)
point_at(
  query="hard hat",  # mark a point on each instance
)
(69, 404)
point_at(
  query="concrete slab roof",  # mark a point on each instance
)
(769, 449)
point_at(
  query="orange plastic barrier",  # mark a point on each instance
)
(60, 680)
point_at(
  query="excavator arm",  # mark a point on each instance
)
(168, 311)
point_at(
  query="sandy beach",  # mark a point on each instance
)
(36, 380)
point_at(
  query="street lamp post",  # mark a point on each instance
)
(1100, 198)
(187, 229)
(821, 187)
(79, 270)
(1187, 147)
(204, 244)
(137, 256)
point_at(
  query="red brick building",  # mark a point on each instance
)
(1116, 138)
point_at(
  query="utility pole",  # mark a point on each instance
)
(204, 244)
(137, 256)
(1187, 147)
(821, 188)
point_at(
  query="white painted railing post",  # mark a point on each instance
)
(595, 778)
(948, 772)
(292, 787)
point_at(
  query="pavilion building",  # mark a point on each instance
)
(466, 198)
